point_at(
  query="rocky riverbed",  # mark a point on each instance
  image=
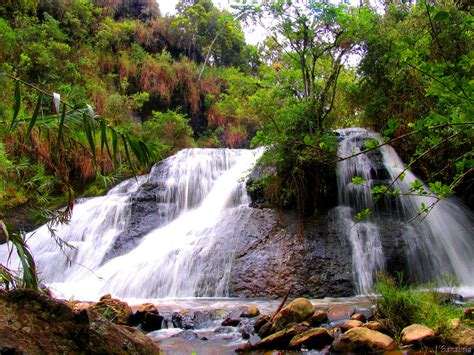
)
(32, 322)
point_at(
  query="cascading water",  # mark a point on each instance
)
(201, 188)
(439, 245)
(185, 230)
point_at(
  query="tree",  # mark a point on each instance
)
(315, 37)
(211, 35)
(416, 82)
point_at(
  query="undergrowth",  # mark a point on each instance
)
(399, 306)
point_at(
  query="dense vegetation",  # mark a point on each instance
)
(166, 83)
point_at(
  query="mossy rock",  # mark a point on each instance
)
(31, 323)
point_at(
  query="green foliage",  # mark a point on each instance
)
(169, 130)
(416, 83)
(399, 306)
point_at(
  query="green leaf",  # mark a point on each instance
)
(357, 180)
(60, 129)
(441, 16)
(441, 190)
(379, 189)
(16, 106)
(35, 116)
(114, 147)
(127, 154)
(88, 131)
(308, 140)
(371, 144)
(104, 140)
(362, 214)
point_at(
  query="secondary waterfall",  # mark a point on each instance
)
(198, 190)
(436, 245)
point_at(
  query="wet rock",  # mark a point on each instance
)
(244, 348)
(78, 306)
(349, 324)
(340, 312)
(316, 338)
(245, 334)
(320, 266)
(468, 313)
(139, 316)
(280, 340)
(360, 317)
(378, 326)
(231, 322)
(246, 330)
(186, 334)
(261, 321)
(297, 311)
(318, 317)
(189, 319)
(363, 340)
(112, 309)
(250, 312)
(265, 330)
(34, 323)
(108, 296)
(417, 334)
(152, 321)
(450, 298)
(223, 330)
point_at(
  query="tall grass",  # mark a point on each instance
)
(399, 306)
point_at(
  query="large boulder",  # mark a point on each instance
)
(417, 334)
(297, 311)
(363, 340)
(31, 322)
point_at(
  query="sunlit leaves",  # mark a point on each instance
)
(371, 144)
(364, 214)
(357, 180)
(441, 190)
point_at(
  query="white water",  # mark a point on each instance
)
(172, 261)
(440, 245)
(191, 253)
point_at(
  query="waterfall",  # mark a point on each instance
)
(198, 192)
(181, 230)
(441, 244)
